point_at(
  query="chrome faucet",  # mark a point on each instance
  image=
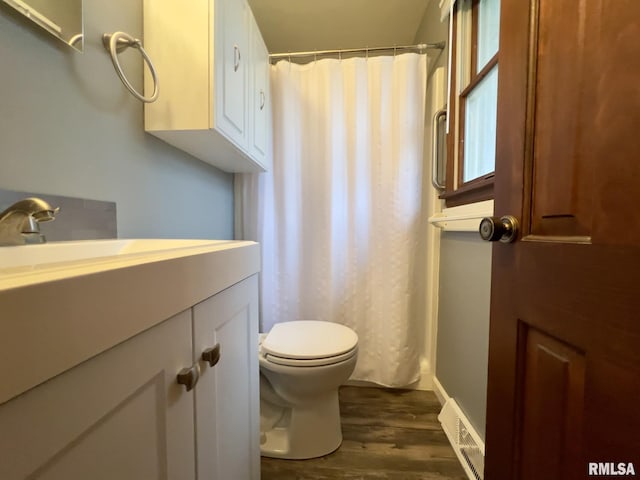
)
(19, 224)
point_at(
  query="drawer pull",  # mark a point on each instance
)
(236, 58)
(189, 376)
(212, 355)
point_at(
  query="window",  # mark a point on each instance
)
(473, 101)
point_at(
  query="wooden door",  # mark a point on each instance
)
(120, 415)
(564, 355)
(227, 395)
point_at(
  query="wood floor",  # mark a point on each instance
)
(388, 434)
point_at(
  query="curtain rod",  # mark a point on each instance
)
(420, 47)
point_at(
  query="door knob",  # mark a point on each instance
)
(504, 229)
(212, 355)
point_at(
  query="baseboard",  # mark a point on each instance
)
(438, 389)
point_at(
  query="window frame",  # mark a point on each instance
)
(457, 191)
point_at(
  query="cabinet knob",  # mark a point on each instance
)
(189, 376)
(212, 355)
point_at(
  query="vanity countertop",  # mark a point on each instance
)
(56, 315)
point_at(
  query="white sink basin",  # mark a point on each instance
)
(31, 264)
(38, 256)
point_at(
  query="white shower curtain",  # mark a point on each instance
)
(339, 216)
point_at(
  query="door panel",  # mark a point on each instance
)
(564, 361)
(561, 178)
(553, 378)
(584, 119)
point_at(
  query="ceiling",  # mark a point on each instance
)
(303, 25)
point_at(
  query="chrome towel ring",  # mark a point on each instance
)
(119, 41)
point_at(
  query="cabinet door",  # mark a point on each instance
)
(260, 103)
(120, 415)
(231, 62)
(227, 395)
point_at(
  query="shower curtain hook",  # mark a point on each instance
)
(394, 51)
(366, 53)
(340, 56)
(315, 55)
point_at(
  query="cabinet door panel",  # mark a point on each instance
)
(227, 411)
(260, 131)
(232, 41)
(120, 415)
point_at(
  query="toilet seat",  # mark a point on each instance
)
(310, 362)
(307, 343)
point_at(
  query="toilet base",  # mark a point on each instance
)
(308, 431)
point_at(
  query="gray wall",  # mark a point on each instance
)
(463, 322)
(464, 285)
(69, 127)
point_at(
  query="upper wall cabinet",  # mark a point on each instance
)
(213, 72)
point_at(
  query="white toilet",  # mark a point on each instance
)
(302, 364)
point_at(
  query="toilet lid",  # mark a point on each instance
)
(309, 339)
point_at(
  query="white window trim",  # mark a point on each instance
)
(464, 218)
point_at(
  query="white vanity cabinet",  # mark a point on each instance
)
(204, 53)
(122, 414)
